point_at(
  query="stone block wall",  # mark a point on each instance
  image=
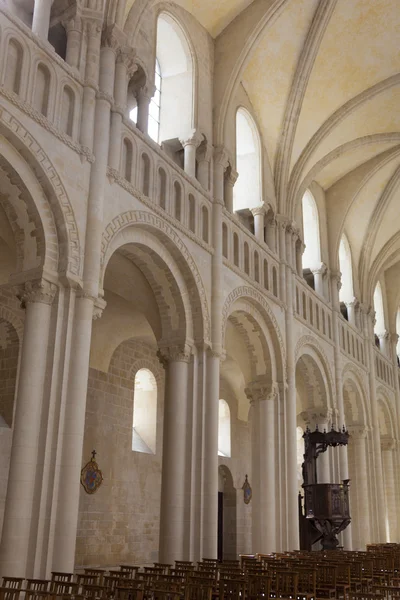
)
(120, 522)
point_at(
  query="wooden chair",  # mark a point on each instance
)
(9, 593)
(58, 576)
(164, 566)
(131, 569)
(232, 589)
(14, 583)
(198, 589)
(258, 586)
(164, 595)
(39, 595)
(134, 592)
(98, 573)
(38, 585)
(86, 580)
(94, 592)
(64, 588)
(285, 584)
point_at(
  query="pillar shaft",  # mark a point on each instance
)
(19, 509)
(174, 530)
(390, 491)
(41, 18)
(259, 214)
(143, 104)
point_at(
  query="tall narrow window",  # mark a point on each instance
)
(379, 327)
(312, 252)
(247, 190)
(144, 424)
(224, 429)
(346, 292)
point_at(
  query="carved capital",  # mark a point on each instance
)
(258, 211)
(385, 335)
(321, 270)
(204, 152)
(314, 416)
(387, 444)
(73, 24)
(337, 277)
(221, 157)
(145, 93)
(354, 303)
(37, 291)
(92, 26)
(358, 432)
(112, 37)
(194, 139)
(99, 306)
(168, 354)
(231, 177)
(282, 222)
(126, 56)
(262, 389)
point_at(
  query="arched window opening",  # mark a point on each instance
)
(192, 213)
(297, 302)
(379, 327)
(311, 311)
(67, 112)
(162, 187)
(235, 249)
(204, 224)
(274, 282)
(177, 201)
(246, 258)
(176, 66)
(304, 303)
(224, 240)
(145, 174)
(247, 190)
(323, 323)
(224, 429)
(256, 267)
(346, 292)
(42, 89)
(144, 424)
(266, 275)
(317, 316)
(127, 157)
(312, 253)
(13, 73)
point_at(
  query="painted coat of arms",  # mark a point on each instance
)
(247, 491)
(91, 476)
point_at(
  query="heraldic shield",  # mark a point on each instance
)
(91, 476)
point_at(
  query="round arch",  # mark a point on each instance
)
(48, 208)
(311, 359)
(386, 418)
(354, 398)
(158, 250)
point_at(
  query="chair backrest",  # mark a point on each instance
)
(39, 585)
(9, 593)
(198, 589)
(258, 586)
(14, 583)
(232, 589)
(58, 576)
(64, 588)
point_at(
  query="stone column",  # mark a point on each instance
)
(384, 343)
(41, 18)
(204, 154)
(93, 35)
(319, 274)
(352, 311)
(124, 69)
(264, 457)
(143, 99)
(300, 247)
(73, 28)
(174, 530)
(259, 214)
(230, 180)
(359, 499)
(190, 145)
(71, 437)
(270, 233)
(388, 446)
(37, 297)
(378, 488)
(281, 228)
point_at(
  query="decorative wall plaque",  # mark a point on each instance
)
(247, 491)
(91, 476)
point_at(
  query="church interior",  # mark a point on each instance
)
(199, 264)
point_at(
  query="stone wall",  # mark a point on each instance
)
(120, 522)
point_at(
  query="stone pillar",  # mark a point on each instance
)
(210, 457)
(73, 28)
(388, 446)
(259, 214)
(300, 247)
(143, 99)
(124, 69)
(174, 530)
(270, 233)
(93, 35)
(384, 343)
(230, 180)
(282, 222)
(203, 165)
(320, 418)
(359, 498)
(41, 18)
(319, 274)
(15, 542)
(190, 145)
(377, 482)
(352, 311)
(264, 458)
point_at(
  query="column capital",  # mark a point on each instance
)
(320, 270)
(317, 416)
(258, 211)
(98, 308)
(388, 443)
(40, 290)
(204, 152)
(262, 389)
(193, 139)
(73, 23)
(336, 276)
(354, 303)
(178, 353)
(221, 157)
(91, 25)
(127, 56)
(394, 337)
(112, 37)
(146, 92)
(384, 335)
(231, 177)
(358, 432)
